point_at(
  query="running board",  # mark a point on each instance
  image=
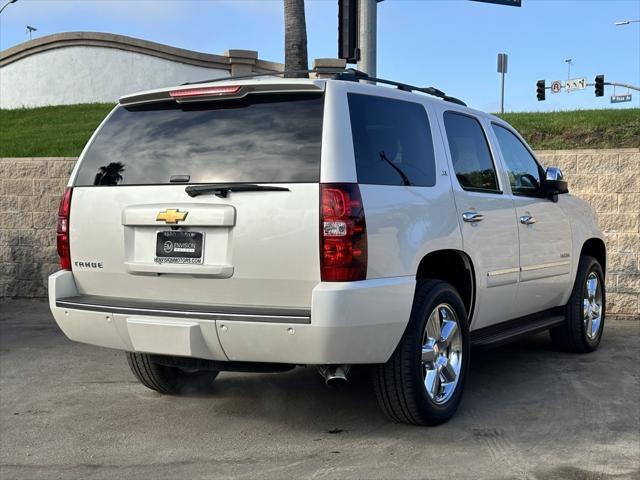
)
(504, 332)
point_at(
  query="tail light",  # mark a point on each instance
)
(343, 241)
(62, 239)
(204, 91)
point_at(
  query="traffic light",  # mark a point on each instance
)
(540, 90)
(599, 85)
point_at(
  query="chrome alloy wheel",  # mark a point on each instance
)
(441, 353)
(592, 306)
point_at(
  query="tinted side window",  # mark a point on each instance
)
(523, 170)
(392, 141)
(470, 153)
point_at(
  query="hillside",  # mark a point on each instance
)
(619, 128)
(62, 131)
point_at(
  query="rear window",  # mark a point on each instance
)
(259, 139)
(392, 141)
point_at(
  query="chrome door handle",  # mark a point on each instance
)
(472, 217)
(527, 219)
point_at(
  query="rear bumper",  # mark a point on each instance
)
(351, 323)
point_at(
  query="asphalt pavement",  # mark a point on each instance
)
(74, 411)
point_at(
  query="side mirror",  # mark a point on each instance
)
(554, 183)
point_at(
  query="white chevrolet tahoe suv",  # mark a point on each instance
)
(258, 224)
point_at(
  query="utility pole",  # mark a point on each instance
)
(367, 35)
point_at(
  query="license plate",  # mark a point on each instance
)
(175, 246)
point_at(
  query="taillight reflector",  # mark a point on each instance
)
(62, 237)
(204, 91)
(343, 233)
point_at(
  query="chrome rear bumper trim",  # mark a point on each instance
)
(278, 315)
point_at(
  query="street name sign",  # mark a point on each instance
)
(575, 84)
(556, 86)
(621, 98)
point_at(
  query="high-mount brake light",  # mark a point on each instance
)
(62, 237)
(343, 233)
(204, 91)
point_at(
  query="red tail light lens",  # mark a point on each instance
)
(343, 233)
(62, 238)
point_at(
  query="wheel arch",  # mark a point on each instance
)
(454, 267)
(596, 248)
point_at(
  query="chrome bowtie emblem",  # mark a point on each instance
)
(171, 215)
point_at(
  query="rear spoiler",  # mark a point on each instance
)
(200, 93)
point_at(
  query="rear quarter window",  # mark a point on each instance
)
(470, 154)
(392, 141)
(258, 139)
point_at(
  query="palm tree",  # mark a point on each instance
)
(295, 37)
(110, 174)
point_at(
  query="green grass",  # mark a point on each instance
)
(619, 128)
(62, 131)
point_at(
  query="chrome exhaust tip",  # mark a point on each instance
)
(334, 375)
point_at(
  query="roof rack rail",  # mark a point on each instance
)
(401, 86)
(348, 74)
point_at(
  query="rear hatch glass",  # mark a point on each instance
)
(258, 139)
(156, 242)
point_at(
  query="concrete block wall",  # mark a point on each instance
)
(30, 190)
(610, 181)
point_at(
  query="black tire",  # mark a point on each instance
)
(168, 380)
(572, 336)
(399, 383)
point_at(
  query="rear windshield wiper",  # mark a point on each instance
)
(222, 191)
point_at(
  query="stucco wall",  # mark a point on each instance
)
(88, 75)
(88, 67)
(30, 189)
